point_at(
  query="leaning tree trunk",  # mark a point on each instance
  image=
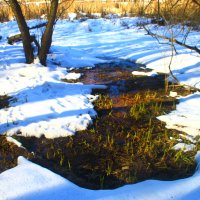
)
(47, 36)
(26, 38)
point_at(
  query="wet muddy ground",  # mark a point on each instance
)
(4, 101)
(125, 144)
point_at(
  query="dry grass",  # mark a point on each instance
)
(126, 143)
(182, 10)
(123, 146)
(9, 152)
(5, 14)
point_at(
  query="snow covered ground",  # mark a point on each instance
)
(42, 104)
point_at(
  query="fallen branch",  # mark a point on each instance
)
(38, 26)
(172, 40)
(196, 2)
(18, 38)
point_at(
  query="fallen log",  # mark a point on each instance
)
(14, 38)
(18, 37)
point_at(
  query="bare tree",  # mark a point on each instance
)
(27, 39)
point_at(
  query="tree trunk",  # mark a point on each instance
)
(26, 38)
(158, 14)
(47, 36)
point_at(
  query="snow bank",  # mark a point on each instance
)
(30, 181)
(42, 104)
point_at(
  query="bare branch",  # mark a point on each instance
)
(172, 40)
(151, 1)
(173, 5)
(196, 2)
(172, 55)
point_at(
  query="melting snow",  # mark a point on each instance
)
(42, 104)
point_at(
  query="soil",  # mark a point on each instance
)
(4, 101)
(9, 152)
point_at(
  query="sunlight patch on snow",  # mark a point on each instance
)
(32, 181)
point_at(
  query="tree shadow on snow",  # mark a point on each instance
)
(61, 99)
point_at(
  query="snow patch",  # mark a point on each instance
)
(72, 76)
(186, 117)
(184, 147)
(138, 73)
(173, 94)
(11, 139)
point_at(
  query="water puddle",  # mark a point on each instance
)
(121, 84)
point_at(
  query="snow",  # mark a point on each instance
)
(137, 73)
(72, 76)
(30, 181)
(12, 140)
(42, 104)
(186, 117)
(184, 147)
(173, 94)
(33, 111)
(72, 16)
(34, 182)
